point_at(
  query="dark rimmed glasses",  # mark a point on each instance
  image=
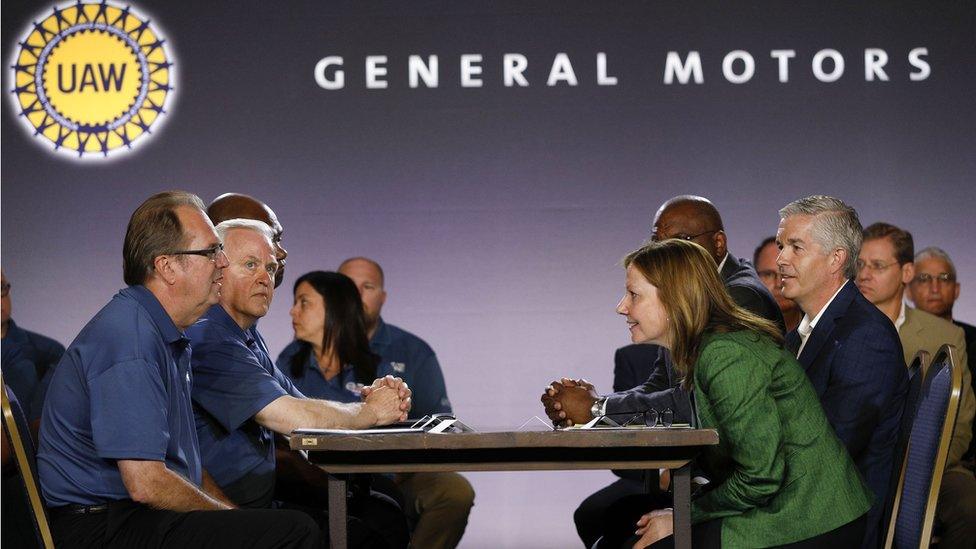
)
(210, 253)
(652, 418)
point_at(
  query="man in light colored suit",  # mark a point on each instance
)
(885, 267)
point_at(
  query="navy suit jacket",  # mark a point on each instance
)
(854, 359)
(971, 356)
(643, 376)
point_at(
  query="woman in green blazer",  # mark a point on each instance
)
(779, 476)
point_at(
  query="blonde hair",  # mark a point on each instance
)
(694, 298)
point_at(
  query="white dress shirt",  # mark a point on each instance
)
(806, 325)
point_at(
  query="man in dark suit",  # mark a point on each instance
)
(644, 378)
(850, 349)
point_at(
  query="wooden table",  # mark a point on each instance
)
(341, 454)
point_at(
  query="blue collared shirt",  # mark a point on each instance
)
(234, 379)
(121, 391)
(341, 388)
(405, 355)
(21, 347)
(402, 354)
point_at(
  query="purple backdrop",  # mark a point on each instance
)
(500, 213)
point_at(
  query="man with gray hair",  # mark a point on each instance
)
(241, 399)
(850, 349)
(934, 289)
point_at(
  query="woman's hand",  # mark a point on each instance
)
(653, 527)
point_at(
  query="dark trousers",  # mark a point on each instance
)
(590, 517)
(374, 519)
(620, 516)
(128, 524)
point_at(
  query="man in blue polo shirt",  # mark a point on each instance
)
(438, 502)
(241, 398)
(28, 359)
(119, 461)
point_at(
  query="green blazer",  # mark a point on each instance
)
(779, 472)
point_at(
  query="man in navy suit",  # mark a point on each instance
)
(850, 349)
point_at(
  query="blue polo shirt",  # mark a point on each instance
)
(43, 353)
(341, 388)
(402, 354)
(233, 379)
(121, 391)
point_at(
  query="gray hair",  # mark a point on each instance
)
(835, 226)
(259, 227)
(937, 253)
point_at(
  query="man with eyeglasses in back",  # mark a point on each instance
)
(934, 290)
(885, 267)
(119, 459)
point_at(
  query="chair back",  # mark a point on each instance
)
(16, 428)
(928, 448)
(916, 372)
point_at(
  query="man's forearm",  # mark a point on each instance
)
(286, 414)
(211, 488)
(152, 484)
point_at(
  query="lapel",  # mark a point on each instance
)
(913, 335)
(730, 268)
(825, 326)
(911, 329)
(793, 342)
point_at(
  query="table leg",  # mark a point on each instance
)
(337, 512)
(682, 506)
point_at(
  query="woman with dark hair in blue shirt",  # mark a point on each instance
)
(330, 358)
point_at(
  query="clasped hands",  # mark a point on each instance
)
(388, 398)
(568, 401)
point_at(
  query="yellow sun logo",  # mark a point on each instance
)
(92, 78)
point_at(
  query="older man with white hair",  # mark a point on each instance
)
(241, 399)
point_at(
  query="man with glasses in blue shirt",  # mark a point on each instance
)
(119, 459)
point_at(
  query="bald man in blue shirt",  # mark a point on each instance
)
(439, 503)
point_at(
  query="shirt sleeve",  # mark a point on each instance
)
(286, 383)
(129, 411)
(231, 384)
(429, 392)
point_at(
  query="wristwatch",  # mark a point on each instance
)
(599, 407)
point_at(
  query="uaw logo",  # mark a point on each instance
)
(92, 79)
